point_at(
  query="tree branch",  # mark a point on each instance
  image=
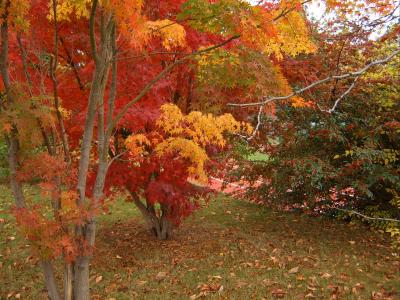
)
(365, 216)
(147, 88)
(91, 30)
(316, 83)
(356, 75)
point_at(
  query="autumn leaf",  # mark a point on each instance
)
(293, 270)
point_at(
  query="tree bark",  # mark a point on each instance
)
(160, 226)
(68, 281)
(50, 280)
(96, 100)
(12, 139)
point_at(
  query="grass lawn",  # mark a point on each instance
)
(230, 250)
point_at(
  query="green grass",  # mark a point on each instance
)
(258, 156)
(229, 250)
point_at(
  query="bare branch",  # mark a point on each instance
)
(365, 216)
(316, 83)
(115, 158)
(332, 109)
(356, 75)
(259, 121)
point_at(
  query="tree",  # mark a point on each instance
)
(164, 162)
(66, 101)
(330, 154)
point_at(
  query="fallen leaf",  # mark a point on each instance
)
(294, 270)
(278, 293)
(161, 275)
(98, 279)
(141, 282)
(326, 275)
(309, 295)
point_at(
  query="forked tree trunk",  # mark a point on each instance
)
(102, 60)
(159, 225)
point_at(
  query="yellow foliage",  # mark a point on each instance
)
(187, 136)
(189, 150)
(293, 36)
(16, 11)
(300, 102)
(65, 8)
(123, 10)
(170, 119)
(136, 144)
(171, 33)
(274, 33)
(203, 129)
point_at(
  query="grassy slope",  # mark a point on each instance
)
(231, 250)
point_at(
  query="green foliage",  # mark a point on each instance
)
(3, 162)
(350, 158)
(216, 17)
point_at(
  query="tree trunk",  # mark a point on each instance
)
(68, 281)
(81, 278)
(50, 280)
(96, 99)
(166, 228)
(160, 226)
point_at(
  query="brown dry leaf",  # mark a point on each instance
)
(18, 296)
(161, 276)
(110, 288)
(309, 296)
(98, 279)
(268, 282)
(294, 270)
(326, 275)
(278, 293)
(359, 285)
(352, 242)
(141, 282)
